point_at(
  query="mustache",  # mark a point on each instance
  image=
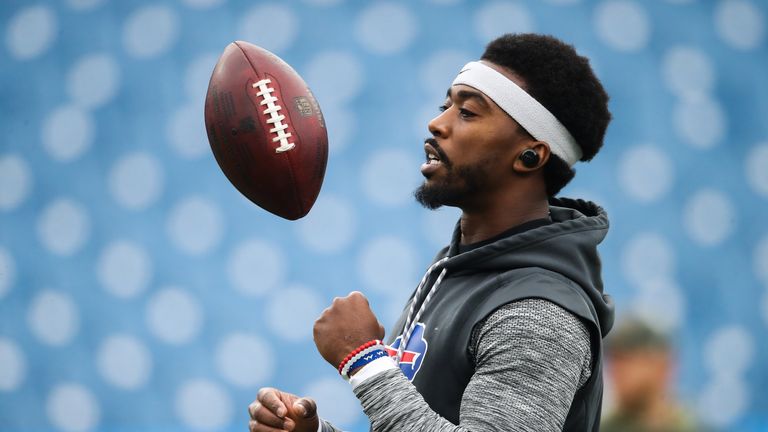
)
(440, 152)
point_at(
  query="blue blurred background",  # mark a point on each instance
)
(140, 291)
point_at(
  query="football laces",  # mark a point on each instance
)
(274, 119)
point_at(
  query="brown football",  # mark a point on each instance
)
(266, 130)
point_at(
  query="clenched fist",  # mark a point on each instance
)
(348, 323)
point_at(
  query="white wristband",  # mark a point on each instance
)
(372, 369)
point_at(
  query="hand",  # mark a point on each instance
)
(274, 410)
(344, 326)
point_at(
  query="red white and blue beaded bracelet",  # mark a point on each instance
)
(361, 356)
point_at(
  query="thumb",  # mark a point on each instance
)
(305, 407)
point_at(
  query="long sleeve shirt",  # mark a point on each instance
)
(531, 357)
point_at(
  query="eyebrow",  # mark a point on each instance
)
(469, 94)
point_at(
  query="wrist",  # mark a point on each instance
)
(366, 359)
(371, 370)
(361, 356)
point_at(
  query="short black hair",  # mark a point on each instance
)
(563, 81)
(634, 334)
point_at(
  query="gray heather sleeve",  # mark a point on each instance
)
(531, 357)
(327, 427)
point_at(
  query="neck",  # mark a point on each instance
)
(483, 222)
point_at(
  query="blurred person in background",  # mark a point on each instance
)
(641, 368)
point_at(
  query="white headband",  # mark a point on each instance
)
(522, 107)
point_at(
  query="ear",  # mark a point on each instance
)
(542, 150)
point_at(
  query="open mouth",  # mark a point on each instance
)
(433, 162)
(432, 155)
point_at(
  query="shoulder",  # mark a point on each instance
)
(533, 317)
(532, 327)
(514, 286)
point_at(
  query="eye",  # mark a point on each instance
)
(442, 107)
(466, 113)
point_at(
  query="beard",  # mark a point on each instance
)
(459, 185)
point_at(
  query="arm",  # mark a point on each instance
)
(531, 357)
(275, 410)
(327, 427)
(345, 325)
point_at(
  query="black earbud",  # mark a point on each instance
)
(530, 158)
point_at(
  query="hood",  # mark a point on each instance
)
(568, 246)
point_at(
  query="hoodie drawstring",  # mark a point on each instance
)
(410, 323)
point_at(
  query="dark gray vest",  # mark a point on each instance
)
(437, 357)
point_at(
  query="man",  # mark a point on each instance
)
(504, 331)
(641, 368)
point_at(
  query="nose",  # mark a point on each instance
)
(438, 126)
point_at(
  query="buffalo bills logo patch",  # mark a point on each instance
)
(413, 354)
